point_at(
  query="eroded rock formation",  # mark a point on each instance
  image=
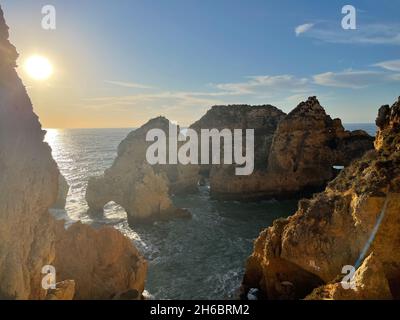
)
(29, 237)
(65, 290)
(370, 283)
(141, 189)
(102, 262)
(331, 230)
(298, 158)
(263, 119)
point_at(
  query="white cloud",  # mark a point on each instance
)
(395, 77)
(285, 91)
(128, 84)
(354, 79)
(392, 65)
(303, 28)
(186, 106)
(368, 34)
(264, 84)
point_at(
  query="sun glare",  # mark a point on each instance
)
(38, 67)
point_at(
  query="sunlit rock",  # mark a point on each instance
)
(334, 228)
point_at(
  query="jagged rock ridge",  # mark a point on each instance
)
(331, 230)
(298, 159)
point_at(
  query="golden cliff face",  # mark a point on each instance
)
(29, 236)
(141, 189)
(103, 263)
(299, 157)
(28, 185)
(331, 230)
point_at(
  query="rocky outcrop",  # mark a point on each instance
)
(29, 236)
(143, 190)
(65, 290)
(63, 189)
(299, 158)
(263, 119)
(102, 262)
(357, 214)
(370, 283)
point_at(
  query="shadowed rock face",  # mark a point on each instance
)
(102, 262)
(29, 237)
(141, 189)
(263, 119)
(331, 229)
(302, 151)
(28, 185)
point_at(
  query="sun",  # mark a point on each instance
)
(38, 67)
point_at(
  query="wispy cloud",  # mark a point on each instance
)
(128, 84)
(392, 65)
(284, 91)
(184, 105)
(303, 28)
(354, 79)
(367, 34)
(264, 83)
(177, 105)
(395, 77)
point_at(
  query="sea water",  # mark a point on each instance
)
(199, 258)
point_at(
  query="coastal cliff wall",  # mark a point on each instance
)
(294, 155)
(28, 185)
(308, 250)
(29, 235)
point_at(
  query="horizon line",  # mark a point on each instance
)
(183, 127)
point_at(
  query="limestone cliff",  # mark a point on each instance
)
(141, 189)
(299, 159)
(263, 119)
(331, 230)
(102, 262)
(370, 283)
(29, 236)
(28, 185)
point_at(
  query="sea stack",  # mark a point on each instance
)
(143, 190)
(297, 159)
(308, 250)
(264, 119)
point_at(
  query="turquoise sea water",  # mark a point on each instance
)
(199, 258)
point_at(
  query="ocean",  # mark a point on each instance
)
(200, 258)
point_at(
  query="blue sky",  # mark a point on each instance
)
(118, 63)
